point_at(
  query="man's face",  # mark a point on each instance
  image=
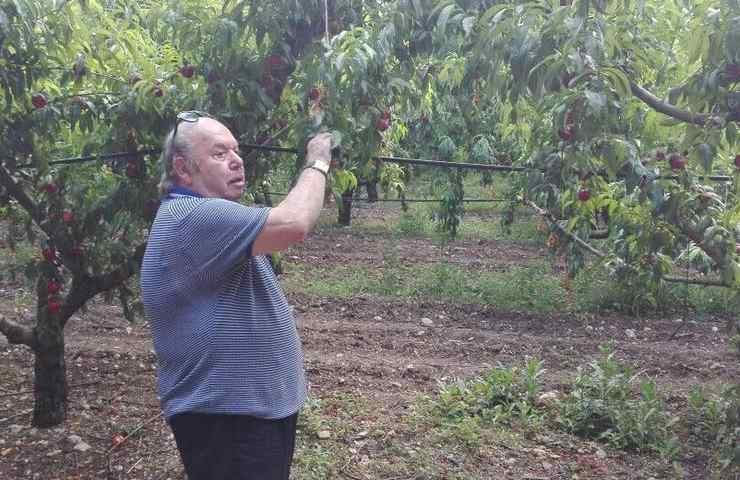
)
(219, 169)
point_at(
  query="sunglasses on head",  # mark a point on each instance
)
(190, 116)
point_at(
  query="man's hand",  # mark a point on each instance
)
(318, 152)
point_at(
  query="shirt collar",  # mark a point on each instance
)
(178, 190)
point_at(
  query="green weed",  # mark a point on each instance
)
(601, 405)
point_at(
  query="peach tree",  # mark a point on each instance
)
(104, 83)
(626, 109)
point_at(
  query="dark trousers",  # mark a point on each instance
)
(234, 447)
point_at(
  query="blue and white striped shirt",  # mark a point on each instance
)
(225, 338)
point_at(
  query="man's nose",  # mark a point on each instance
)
(236, 161)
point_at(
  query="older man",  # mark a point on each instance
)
(230, 372)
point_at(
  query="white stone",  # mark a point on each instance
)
(427, 322)
(547, 398)
(74, 439)
(82, 447)
(324, 434)
(601, 454)
(630, 333)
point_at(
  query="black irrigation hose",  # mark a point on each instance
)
(410, 161)
(409, 200)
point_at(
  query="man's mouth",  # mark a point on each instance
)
(237, 182)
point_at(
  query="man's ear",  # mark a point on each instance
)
(180, 166)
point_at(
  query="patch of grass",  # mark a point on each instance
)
(415, 222)
(595, 290)
(343, 281)
(337, 415)
(478, 411)
(312, 459)
(714, 421)
(531, 288)
(601, 405)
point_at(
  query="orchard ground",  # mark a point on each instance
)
(388, 313)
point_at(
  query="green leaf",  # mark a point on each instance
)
(619, 81)
(596, 100)
(731, 133)
(468, 24)
(706, 155)
(444, 16)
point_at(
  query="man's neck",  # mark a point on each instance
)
(180, 190)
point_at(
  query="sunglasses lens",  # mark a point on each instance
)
(191, 116)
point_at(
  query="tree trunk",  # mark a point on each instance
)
(372, 191)
(50, 375)
(345, 208)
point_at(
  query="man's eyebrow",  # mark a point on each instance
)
(221, 146)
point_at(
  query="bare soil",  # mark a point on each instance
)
(367, 348)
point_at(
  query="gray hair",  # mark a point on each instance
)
(182, 146)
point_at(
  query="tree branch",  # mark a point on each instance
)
(15, 191)
(701, 119)
(581, 243)
(87, 287)
(122, 273)
(549, 217)
(696, 281)
(17, 333)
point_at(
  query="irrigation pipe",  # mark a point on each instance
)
(410, 200)
(401, 160)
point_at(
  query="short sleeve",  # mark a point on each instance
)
(219, 234)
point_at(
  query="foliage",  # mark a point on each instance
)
(715, 420)
(602, 406)
(501, 395)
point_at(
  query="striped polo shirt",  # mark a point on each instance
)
(225, 338)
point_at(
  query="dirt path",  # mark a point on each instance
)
(383, 351)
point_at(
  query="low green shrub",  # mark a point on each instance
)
(602, 405)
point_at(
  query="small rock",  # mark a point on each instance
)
(74, 439)
(630, 333)
(15, 429)
(601, 454)
(547, 466)
(377, 318)
(53, 453)
(362, 434)
(82, 447)
(716, 366)
(324, 434)
(548, 398)
(427, 322)
(715, 329)
(510, 461)
(421, 333)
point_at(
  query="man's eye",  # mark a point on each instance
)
(220, 155)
